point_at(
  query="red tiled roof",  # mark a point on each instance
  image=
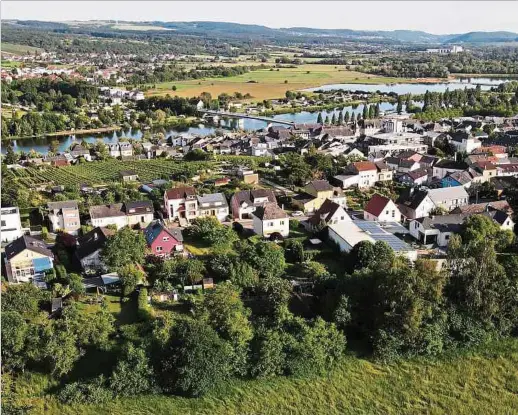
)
(180, 192)
(364, 165)
(376, 205)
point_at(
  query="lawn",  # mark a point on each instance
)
(469, 383)
(267, 84)
(18, 49)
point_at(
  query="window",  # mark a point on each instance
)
(386, 212)
(3, 223)
(282, 222)
(393, 213)
(270, 224)
(446, 237)
(165, 238)
(159, 249)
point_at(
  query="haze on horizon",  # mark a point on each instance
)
(432, 17)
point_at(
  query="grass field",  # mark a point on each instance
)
(475, 383)
(10, 64)
(267, 84)
(18, 49)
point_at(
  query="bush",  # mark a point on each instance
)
(94, 391)
(144, 311)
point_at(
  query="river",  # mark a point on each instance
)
(41, 144)
(417, 88)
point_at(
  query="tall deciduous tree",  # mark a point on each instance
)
(125, 247)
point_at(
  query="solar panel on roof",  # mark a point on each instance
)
(394, 242)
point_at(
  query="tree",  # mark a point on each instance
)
(243, 275)
(333, 119)
(340, 118)
(130, 276)
(54, 146)
(372, 111)
(194, 359)
(315, 347)
(133, 374)
(190, 270)
(365, 112)
(361, 256)
(294, 250)
(313, 270)
(399, 107)
(76, 285)
(377, 110)
(265, 257)
(89, 329)
(277, 293)
(342, 314)
(59, 350)
(211, 231)
(23, 299)
(10, 157)
(224, 311)
(125, 247)
(268, 355)
(480, 228)
(346, 117)
(14, 331)
(353, 117)
(327, 120)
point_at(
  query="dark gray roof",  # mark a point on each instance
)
(139, 207)
(26, 242)
(92, 241)
(321, 185)
(443, 223)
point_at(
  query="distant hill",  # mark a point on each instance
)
(249, 32)
(485, 37)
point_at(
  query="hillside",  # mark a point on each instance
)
(476, 383)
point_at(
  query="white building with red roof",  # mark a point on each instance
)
(381, 209)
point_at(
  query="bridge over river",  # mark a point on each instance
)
(251, 117)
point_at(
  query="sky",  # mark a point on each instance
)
(442, 17)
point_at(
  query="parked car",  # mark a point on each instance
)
(297, 213)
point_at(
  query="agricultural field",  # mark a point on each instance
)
(270, 84)
(105, 172)
(98, 173)
(10, 64)
(483, 382)
(18, 49)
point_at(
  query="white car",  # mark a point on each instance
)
(297, 213)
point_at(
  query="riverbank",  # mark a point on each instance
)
(66, 133)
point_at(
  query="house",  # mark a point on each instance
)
(27, 259)
(270, 218)
(364, 174)
(89, 247)
(329, 213)
(381, 209)
(213, 205)
(162, 241)
(415, 178)
(436, 229)
(459, 178)
(104, 215)
(449, 198)
(200, 105)
(316, 193)
(126, 149)
(114, 150)
(415, 204)
(140, 212)
(128, 176)
(347, 234)
(444, 167)
(464, 142)
(502, 205)
(245, 202)
(367, 173)
(64, 216)
(11, 224)
(181, 203)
